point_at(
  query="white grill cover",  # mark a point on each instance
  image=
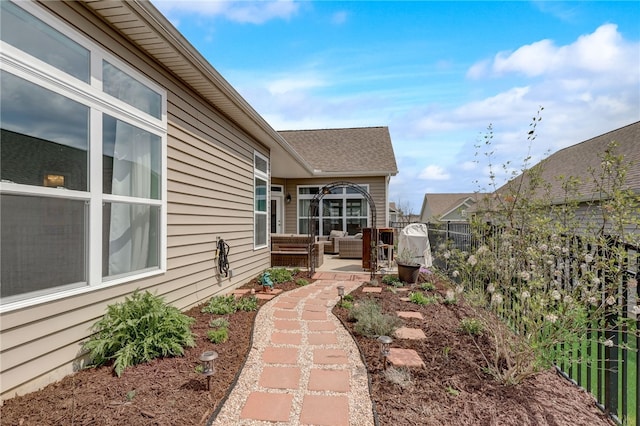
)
(415, 238)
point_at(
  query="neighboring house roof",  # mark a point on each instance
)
(364, 151)
(392, 207)
(152, 32)
(583, 161)
(436, 206)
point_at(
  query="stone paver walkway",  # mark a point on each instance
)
(304, 368)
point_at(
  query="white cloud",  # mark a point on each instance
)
(603, 50)
(292, 84)
(254, 12)
(434, 172)
(468, 165)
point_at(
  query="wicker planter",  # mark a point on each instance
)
(408, 273)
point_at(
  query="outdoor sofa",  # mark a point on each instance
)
(292, 250)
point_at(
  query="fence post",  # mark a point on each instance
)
(611, 347)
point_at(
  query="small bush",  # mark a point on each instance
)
(427, 286)
(420, 299)
(219, 335)
(247, 304)
(471, 326)
(280, 275)
(370, 321)
(399, 376)
(221, 305)
(219, 322)
(347, 298)
(140, 329)
(302, 282)
(346, 304)
(390, 280)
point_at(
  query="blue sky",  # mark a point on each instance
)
(436, 73)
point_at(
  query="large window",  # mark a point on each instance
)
(83, 162)
(344, 209)
(261, 179)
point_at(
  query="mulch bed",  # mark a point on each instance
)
(451, 389)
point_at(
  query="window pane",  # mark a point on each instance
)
(355, 191)
(260, 234)
(311, 190)
(131, 238)
(126, 88)
(332, 208)
(44, 136)
(355, 225)
(43, 244)
(303, 206)
(261, 195)
(356, 207)
(261, 164)
(304, 226)
(329, 225)
(29, 34)
(334, 191)
(131, 161)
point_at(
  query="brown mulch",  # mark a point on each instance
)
(452, 389)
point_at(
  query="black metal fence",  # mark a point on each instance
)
(606, 364)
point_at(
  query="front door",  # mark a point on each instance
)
(276, 209)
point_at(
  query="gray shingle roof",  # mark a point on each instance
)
(582, 159)
(365, 150)
(435, 205)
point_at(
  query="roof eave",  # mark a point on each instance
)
(206, 81)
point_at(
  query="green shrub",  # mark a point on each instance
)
(280, 275)
(347, 298)
(427, 286)
(346, 304)
(219, 335)
(471, 326)
(221, 305)
(420, 299)
(390, 279)
(247, 304)
(370, 321)
(140, 329)
(302, 282)
(219, 322)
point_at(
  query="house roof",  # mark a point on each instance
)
(364, 151)
(583, 160)
(141, 23)
(437, 205)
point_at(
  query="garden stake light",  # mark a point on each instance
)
(341, 293)
(385, 343)
(208, 369)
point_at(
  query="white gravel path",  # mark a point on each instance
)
(323, 293)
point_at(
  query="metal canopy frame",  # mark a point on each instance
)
(314, 207)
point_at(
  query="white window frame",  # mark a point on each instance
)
(259, 174)
(29, 68)
(342, 196)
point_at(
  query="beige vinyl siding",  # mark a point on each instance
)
(209, 195)
(377, 190)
